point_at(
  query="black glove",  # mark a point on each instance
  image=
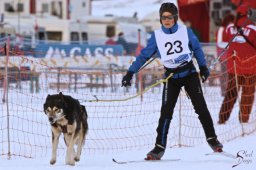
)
(127, 79)
(204, 73)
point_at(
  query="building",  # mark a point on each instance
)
(218, 10)
(64, 9)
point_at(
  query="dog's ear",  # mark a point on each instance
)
(62, 99)
(61, 96)
(45, 102)
(44, 107)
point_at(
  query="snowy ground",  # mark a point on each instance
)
(127, 7)
(191, 158)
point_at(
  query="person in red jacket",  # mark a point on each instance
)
(241, 61)
(110, 41)
(221, 43)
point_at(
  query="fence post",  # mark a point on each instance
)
(180, 122)
(237, 89)
(5, 96)
(141, 87)
(58, 79)
(75, 82)
(111, 77)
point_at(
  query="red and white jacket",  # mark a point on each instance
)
(220, 42)
(244, 53)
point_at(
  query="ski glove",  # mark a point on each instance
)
(204, 73)
(127, 79)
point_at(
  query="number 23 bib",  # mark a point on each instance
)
(173, 48)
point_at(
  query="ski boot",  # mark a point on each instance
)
(156, 153)
(215, 144)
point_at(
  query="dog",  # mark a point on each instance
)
(66, 115)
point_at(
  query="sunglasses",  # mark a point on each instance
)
(170, 17)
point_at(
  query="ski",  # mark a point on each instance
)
(139, 161)
(223, 153)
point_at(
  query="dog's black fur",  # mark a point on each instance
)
(66, 115)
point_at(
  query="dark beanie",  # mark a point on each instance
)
(169, 7)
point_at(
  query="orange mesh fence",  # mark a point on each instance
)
(114, 126)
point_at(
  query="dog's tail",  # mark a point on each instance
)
(84, 120)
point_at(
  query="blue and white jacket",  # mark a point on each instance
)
(151, 49)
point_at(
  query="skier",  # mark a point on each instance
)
(241, 67)
(174, 44)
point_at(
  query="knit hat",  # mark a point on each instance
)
(169, 7)
(242, 9)
(241, 18)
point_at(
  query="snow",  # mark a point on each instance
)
(127, 7)
(191, 158)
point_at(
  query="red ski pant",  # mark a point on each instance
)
(247, 84)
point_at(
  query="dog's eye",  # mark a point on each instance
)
(56, 110)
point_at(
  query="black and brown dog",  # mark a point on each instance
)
(69, 117)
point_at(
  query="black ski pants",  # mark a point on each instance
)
(171, 91)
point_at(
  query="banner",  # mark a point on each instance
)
(72, 50)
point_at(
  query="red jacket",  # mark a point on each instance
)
(245, 52)
(110, 41)
(220, 43)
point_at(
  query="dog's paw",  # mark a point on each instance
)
(77, 159)
(53, 161)
(72, 163)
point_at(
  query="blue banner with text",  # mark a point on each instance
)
(72, 50)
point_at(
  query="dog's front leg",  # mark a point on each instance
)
(79, 148)
(55, 140)
(70, 144)
(80, 141)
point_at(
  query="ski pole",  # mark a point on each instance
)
(225, 49)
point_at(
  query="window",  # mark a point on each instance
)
(74, 36)
(56, 9)
(20, 7)
(41, 36)
(54, 36)
(84, 36)
(45, 8)
(215, 15)
(110, 31)
(217, 5)
(8, 7)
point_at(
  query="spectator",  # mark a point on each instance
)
(221, 43)
(241, 67)
(121, 40)
(174, 44)
(110, 41)
(34, 80)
